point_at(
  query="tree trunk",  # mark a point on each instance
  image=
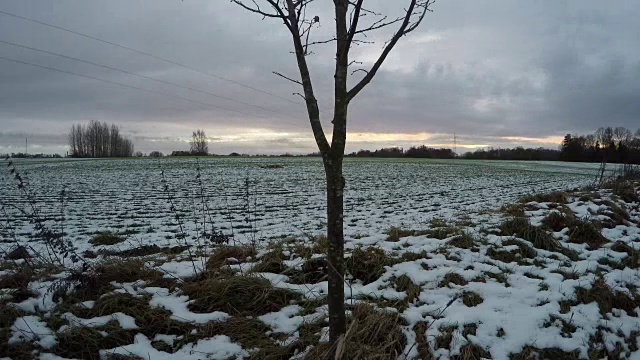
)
(335, 254)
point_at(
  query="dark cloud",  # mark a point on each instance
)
(497, 73)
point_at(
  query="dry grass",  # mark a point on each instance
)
(606, 298)
(453, 278)
(404, 283)
(422, 344)
(313, 272)
(371, 335)
(556, 221)
(532, 353)
(539, 237)
(272, 262)
(237, 295)
(92, 284)
(522, 228)
(584, 231)
(633, 255)
(463, 241)
(558, 197)
(472, 352)
(471, 299)
(623, 189)
(106, 238)
(18, 281)
(367, 264)
(226, 255)
(8, 315)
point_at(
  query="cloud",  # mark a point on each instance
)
(496, 74)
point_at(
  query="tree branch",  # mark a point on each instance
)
(416, 7)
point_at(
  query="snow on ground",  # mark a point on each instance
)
(496, 296)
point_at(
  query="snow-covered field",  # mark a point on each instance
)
(447, 272)
(128, 196)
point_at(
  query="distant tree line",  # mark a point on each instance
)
(518, 153)
(412, 152)
(22, 155)
(617, 145)
(98, 140)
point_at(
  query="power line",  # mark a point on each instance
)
(152, 56)
(138, 75)
(142, 89)
(123, 85)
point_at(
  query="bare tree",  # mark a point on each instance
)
(199, 143)
(98, 140)
(352, 24)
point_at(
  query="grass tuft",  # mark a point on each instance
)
(606, 298)
(453, 278)
(106, 238)
(558, 197)
(471, 299)
(221, 255)
(584, 231)
(368, 264)
(237, 295)
(371, 334)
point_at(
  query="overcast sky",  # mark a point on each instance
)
(496, 73)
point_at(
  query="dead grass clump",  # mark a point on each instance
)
(471, 299)
(313, 272)
(404, 283)
(151, 320)
(524, 250)
(92, 284)
(241, 295)
(371, 334)
(106, 238)
(555, 221)
(522, 228)
(442, 233)
(18, 281)
(566, 328)
(499, 277)
(248, 332)
(606, 298)
(617, 214)
(368, 264)
(473, 352)
(145, 250)
(633, 256)
(8, 316)
(83, 342)
(513, 210)
(533, 353)
(395, 233)
(502, 255)
(272, 262)
(583, 231)
(226, 255)
(453, 278)
(463, 241)
(320, 244)
(568, 275)
(558, 197)
(443, 341)
(420, 328)
(625, 190)
(413, 256)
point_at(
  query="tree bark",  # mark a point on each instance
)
(335, 254)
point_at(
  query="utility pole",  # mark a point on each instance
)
(26, 146)
(455, 143)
